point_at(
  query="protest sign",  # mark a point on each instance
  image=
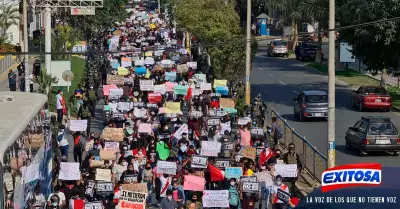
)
(103, 174)
(205, 86)
(213, 122)
(227, 146)
(122, 71)
(160, 89)
(166, 167)
(249, 152)
(138, 104)
(145, 128)
(283, 196)
(116, 93)
(259, 150)
(104, 187)
(181, 68)
(113, 134)
(172, 107)
(69, 171)
(199, 162)
(243, 121)
(78, 125)
(226, 103)
(126, 61)
(180, 90)
(215, 199)
(220, 83)
(195, 114)
(170, 86)
(146, 85)
(200, 77)
(170, 76)
(209, 148)
(89, 146)
(31, 173)
(194, 183)
(154, 97)
(90, 187)
(257, 131)
(130, 178)
(111, 146)
(264, 177)
(93, 205)
(139, 113)
(132, 200)
(222, 162)
(286, 170)
(192, 65)
(115, 79)
(251, 187)
(248, 178)
(196, 92)
(217, 113)
(180, 131)
(139, 187)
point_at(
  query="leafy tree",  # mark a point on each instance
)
(9, 16)
(45, 82)
(376, 45)
(64, 37)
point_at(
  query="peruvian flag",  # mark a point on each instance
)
(76, 204)
(215, 173)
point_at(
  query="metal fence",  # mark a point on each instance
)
(312, 160)
(5, 63)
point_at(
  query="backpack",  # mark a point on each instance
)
(92, 95)
(278, 131)
(233, 196)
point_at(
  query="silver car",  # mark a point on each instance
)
(311, 104)
(278, 47)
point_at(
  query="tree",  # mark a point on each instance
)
(64, 37)
(9, 16)
(45, 82)
(376, 45)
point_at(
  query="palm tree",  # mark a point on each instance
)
(9, 16)
(45, 82)
(65, 37)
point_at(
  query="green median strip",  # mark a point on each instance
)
(357, 79)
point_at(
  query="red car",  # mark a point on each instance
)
(371, 97)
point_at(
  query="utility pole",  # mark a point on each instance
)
(47, 38)
(248, 51)
(331, 86)
(26, 56)
(159, 6)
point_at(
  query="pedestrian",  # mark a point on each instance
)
(92, 101)
(84, 114)
(168, 202)
(30, 80)
(60, 105)
(12, 80)
(63, 141)
(78, 147)
(276, 203)
(234, 197)
(276, 132)
(18, 50)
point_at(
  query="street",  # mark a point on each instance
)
(279, 80)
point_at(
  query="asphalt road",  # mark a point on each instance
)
(279, 80)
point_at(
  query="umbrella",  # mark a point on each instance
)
(149, 61)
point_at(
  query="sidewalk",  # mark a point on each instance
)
(391, 81)
(4, 85)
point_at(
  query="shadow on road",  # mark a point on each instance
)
(354, 152)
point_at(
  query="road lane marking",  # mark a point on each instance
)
(260, 69)
(295, 92)
(270, 75)
(282, 83)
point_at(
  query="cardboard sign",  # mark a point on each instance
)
(104, 187)
(132, 200)
(283, 196)
(222, 163)
(213, 122)
(215, 199)
(78, 125)
(115, 79)
(248, 179)
(69, 171)
(286, 170)
(103, 174)
(217, 113)
(93, 205)
(154, 97)
(111, 146)
(130, 178)
(233, 172)
(139, 187)
(181, 68)
(209, 148)
(195, 114)
(251, 187)
(199, 162)
(146, 85)
(172, 107)
(257, 131)
(226, 103)
(249, 152)
(227, 146)
(166, 167)
(264, 177)
(89, 146)
(90, 187)
(113, 134)
(205, 86)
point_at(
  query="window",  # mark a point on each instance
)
(375, 91)
(316, 98)
(382, 129)
(279, 43)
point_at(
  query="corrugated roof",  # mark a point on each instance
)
(17, 109)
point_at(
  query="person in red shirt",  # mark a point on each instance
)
(78, 147)
(265, 155)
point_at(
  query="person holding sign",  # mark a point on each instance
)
(275, 201)
(128, 175)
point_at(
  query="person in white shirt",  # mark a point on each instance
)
(165, 182)
(30, 82)
(60, 194)
(63, 141)
(40, 200)
(59, 105)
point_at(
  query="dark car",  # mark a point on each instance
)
(311, 104)
(371, 97)
(373, 133)
(306, 50)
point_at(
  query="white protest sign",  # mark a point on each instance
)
(205, 86)
(196, 92)
(243, 121)
(215, 199)
(103, 174)
(69, 171)
(264, 177)
(209, 148)
(111, 146)
(146, 85)
(93, 205)
(286, 170)
(166, 167)
(192, 65)
(160, 89)
(195, 114)
(131, 200)
(31, 173)
(180, 131)
(140, 113)
(116, 93)
(199, 162)
(78, 125)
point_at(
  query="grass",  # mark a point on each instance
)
(357, 79)
(78, 68)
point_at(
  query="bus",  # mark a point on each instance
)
(26, 148)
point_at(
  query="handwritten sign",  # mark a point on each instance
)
(205, 86)
(166, 167)
(233, 172)
(78, 125)
(160, 89)
(90, 187)
(69, 171)
(146, 85)
(215, 199)
(180, 131)
(113, 134)
(93, 205)
(209, 148)
(115, 79)
(130, 178)
(139, 187)
(103, 174)
(195, 114)
(217, 113)
(257, 131)
(126, 61)
(199, 162)
(248, 179)
(104, 187)
(249, 152)
(264, 177)
(286, 170)
(227, 146)
(132, 200)
(145, 128)
(251, 187)
(213, 122)
(283, 196)
(222, 163)
(111, 146)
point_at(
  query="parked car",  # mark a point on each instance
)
(373, 133)
(306, 50)
(371, 97)
(311, 104)
(278, 47)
